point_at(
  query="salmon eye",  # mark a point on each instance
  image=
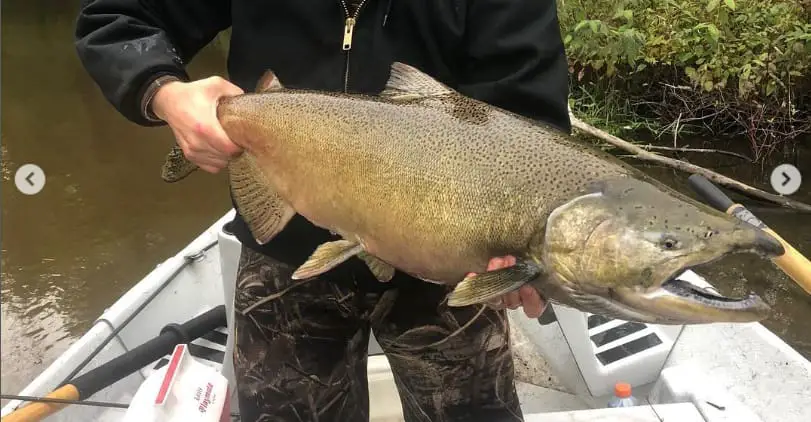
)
(669, 243)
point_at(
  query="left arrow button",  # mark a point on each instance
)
(30, 179)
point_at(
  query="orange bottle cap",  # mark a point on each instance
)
(622, 390)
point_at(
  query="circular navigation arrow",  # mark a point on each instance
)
(786, 179)
(30, 179)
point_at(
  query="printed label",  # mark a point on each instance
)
(745, 215)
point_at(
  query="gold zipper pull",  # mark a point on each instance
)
(348, 28)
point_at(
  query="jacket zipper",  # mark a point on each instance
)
(349, 28)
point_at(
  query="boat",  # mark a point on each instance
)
(566, 366)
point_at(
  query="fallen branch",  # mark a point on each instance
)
(642, 154)
(686, 149)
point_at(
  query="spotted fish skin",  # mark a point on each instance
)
(425, 180)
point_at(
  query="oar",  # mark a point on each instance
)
(95, 380)
(792, 262)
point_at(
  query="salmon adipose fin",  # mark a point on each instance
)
(269, 82)
(264, 211)
(484, 286)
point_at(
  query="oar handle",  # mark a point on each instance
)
(171, 335)
(40, 410)
(792, 262)
(710, 193)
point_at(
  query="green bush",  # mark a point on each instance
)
(723, 66)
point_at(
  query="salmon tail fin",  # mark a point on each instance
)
(265, 212)
(177, 166)
(480, 288)
(326, 257)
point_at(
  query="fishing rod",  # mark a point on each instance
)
(792, 262)
(99, 378)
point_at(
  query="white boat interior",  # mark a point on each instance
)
(566, 368)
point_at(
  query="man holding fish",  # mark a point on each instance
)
(301, 355)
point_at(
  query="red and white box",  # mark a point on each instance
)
(184, 390)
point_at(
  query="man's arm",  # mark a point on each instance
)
(515, 59)
(129, 46)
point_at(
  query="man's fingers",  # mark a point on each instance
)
(210, 169)
(203, 158)
(531, 301)
(213, 137)
(222, 143)
(495, 264)
(512, 299)
(222, 86)
(500, 262)
(209, 164)
(231, 90)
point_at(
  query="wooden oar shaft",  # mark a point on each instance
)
(792, 262)
(39, 410)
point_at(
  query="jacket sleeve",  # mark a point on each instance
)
(125, 45)
(515, 59)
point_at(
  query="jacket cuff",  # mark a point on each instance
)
(151, 88)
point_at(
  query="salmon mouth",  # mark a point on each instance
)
(681, 301)
(706, 295)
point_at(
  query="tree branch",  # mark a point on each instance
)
(642, 154)
(687, 149)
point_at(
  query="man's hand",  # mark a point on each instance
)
(525, 296)
(190, 109)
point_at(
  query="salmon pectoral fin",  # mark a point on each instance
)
(381, 270)
(484, 286)
(326, 257)
(264, 211)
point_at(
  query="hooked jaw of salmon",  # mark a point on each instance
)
(622, 250)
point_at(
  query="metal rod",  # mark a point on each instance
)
(64, 401)
(79, 402)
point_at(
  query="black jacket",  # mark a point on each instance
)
(508, 53)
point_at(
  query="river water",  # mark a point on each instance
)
(105, 218)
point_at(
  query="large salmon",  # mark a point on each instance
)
(425, 180)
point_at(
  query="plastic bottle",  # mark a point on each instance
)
(622, 396)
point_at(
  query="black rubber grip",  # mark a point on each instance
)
(709, 192)
(171, 335)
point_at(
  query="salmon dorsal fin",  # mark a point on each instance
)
(406, 83)
(269, 82)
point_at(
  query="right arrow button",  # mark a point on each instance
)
(786, 179)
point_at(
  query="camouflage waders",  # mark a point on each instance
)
(300, 349)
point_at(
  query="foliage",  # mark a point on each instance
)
(722, 66)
